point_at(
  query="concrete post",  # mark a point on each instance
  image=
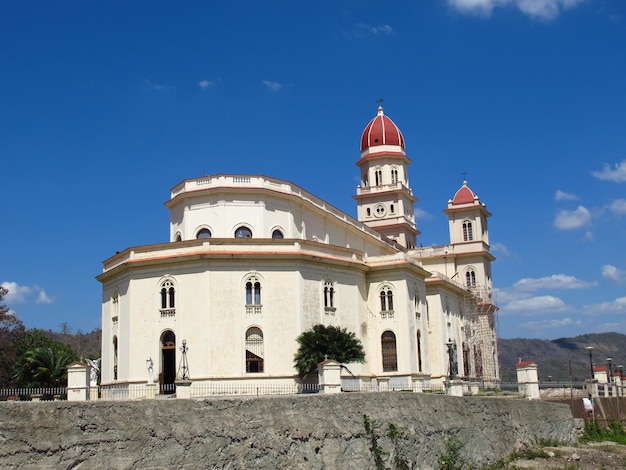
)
(602, 376)
(383, 384)
(454, 388)
(78, 381)
(418, 383)
(329, 372)
(528, 380)
(183, 389)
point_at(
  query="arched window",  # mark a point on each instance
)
(167, 377)
(470, 278)
(416, 302)
(394, 176)
(466, 360)
(468, 234)
(254, 350)
(178, 237)
(115, 358)
(378, 174)
(329, 297)
(419, 351)
(203, 233)
(478, 361)
(369, 212)
(389, 351)
(386, 300)
(115, 308)
(253, 295)
(167, 298)
(276, 234)
(243, 232)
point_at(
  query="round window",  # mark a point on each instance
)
(204, 233)
(243, 232)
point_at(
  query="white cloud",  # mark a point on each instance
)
(618, 207)
(536, 305)
(380, 29)
(613, 273)
(274, 86)
(501, 249)
(553, 323)
(21, 294)
(421, 214)
(206, 84)
(571, 220)
(617, 175)
(556, 281)
(563, 196)
(148, 85)
(43, 298)
(542, 9)
(614, 306)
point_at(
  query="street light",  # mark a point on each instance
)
(590, 349)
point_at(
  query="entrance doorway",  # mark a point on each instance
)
(168, 363)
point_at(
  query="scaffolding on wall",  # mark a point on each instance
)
(481, 334)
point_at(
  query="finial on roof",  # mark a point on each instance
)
(380, 106)
(464, 173)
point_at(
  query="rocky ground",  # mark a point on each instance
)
(592, 456)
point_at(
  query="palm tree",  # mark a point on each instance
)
(323, 341)
(44, 367)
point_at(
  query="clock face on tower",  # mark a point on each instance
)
(380, 210)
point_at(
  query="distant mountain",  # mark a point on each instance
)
(554, 357)
(86, 345)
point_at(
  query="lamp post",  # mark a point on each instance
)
(183, 370)
(610, 377)
(590, 349)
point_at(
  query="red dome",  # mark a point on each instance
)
(381, 131)
(464, 195)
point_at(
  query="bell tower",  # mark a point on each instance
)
(469, 235)
(384, 199)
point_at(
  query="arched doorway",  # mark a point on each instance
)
(168, 363)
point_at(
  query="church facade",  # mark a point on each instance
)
(254, 261)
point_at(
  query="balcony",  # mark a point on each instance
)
(386, 314)
(168, 312)
(253, 309)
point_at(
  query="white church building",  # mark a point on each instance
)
(253, 261)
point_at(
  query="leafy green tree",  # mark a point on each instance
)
(326, 341)
(11, 328)
(44, 366)
(36, 338)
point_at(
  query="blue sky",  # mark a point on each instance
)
(104, 106)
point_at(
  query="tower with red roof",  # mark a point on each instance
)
(384, 198)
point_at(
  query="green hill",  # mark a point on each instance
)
(554, 357)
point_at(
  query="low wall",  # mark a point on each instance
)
(301, 431)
